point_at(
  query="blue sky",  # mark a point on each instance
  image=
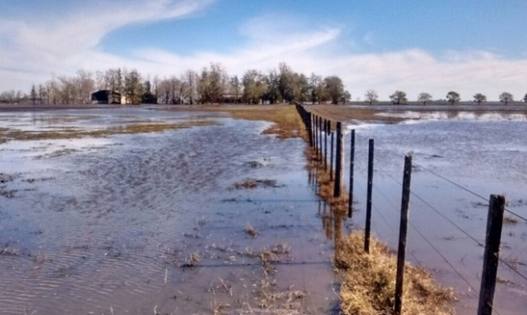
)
(368, 26)
(434, 46)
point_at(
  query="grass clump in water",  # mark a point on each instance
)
(368, 282)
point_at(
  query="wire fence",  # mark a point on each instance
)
(317, 130)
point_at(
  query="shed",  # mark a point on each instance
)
(106, 97)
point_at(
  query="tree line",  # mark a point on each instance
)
(452, 97)
(212, 85)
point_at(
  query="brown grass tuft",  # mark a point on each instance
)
(368, 282)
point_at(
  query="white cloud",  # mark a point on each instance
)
(37, 49)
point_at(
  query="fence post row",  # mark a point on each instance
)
(403, 230)
(491, 254)
(367, 227)
(338, 162)
(352, 166)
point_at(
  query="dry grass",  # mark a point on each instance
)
(368, 282)
(251, 183)
(325, 186)
(348, 113)
(72, 133)
(286, 121)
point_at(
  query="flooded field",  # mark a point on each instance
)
(209, 219)
(154, 211)
(453, 153)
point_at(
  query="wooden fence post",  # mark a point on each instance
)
(331, 150)
(338, 162)
(403, 230)
(310, 128)
(315, 135)
(367, 229)
(320, 139)
(326, 144)
(491, 254)
(352, 166)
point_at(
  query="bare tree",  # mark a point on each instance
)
(189, 87)
(506, 98)
(453, 97)
(399, 97)
(525, 98)
(424, 98)
(371, 96)
(479, 98)
(33, 94)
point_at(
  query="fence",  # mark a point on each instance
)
(319, 129)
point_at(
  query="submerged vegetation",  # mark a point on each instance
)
(7, 134)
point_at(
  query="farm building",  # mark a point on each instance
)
(106, 97)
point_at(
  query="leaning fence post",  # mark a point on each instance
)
(367, 228)
(338, 162)
(491, 254)
(403, 229)
(352, 165)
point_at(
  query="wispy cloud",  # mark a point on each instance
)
(37, 49)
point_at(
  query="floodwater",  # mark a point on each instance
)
(163, 223)
(152, 224)
(484, 153)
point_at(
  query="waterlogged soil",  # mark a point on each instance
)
(216, 218)
(481, 151)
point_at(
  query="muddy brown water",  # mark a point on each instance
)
(151, 223)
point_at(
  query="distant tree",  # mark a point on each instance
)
(133, 89)
(424, 98)
(525, 98)
(148, 97)
(506, 98)
(371, 96)
(41, 93)
(335, 89)
(236, 88)
(272, 94)
(346, 97)
(480, 98)
(453, 97)
(399, 97)
(254, 87)
(286, 82)
(33, 94)
(189, 87)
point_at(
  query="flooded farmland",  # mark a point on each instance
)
(459, 160)
(144, 223)
(199, 213)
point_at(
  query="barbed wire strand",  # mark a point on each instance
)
(512, 268)
(465, 188)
